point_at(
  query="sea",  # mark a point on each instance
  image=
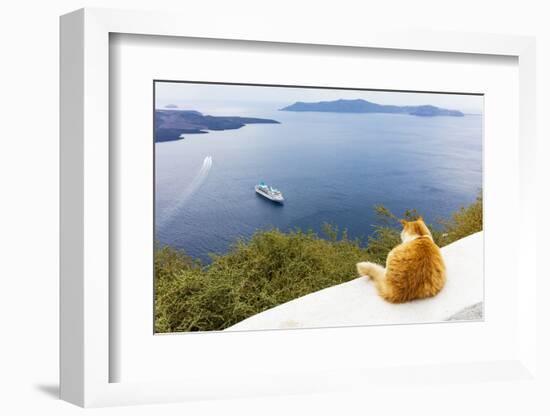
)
(331, 167)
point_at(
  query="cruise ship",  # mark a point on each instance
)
(269, 193)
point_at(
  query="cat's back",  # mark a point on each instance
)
(416, 270)
(422, 249)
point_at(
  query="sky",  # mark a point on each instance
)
(218, 99)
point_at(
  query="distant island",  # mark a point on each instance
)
(363, 106)
(171, 124)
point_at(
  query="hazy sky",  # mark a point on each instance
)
(222, 98)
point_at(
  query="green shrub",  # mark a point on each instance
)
(466, 221)
(273, 267)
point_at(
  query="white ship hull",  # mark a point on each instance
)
(271, 197)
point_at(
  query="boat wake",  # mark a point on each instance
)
(195, 184)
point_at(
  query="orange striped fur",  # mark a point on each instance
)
(414, 269)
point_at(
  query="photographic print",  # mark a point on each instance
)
(284, 207)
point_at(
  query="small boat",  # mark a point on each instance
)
(270, 193)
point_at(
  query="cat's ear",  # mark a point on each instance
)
(403, 222)
(420, 218)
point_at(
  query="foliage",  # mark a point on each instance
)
(466, 221)
(273, 267)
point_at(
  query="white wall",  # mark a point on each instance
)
(29, 184)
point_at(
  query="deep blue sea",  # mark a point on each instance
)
(330, 167)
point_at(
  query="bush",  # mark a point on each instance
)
(466, 221)
(273, 267)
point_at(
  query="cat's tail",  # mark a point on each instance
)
(378, 275)
(363, 268)
(372, 270)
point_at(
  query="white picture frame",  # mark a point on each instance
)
(85, 355)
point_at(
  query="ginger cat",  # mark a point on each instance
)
(414, 269)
